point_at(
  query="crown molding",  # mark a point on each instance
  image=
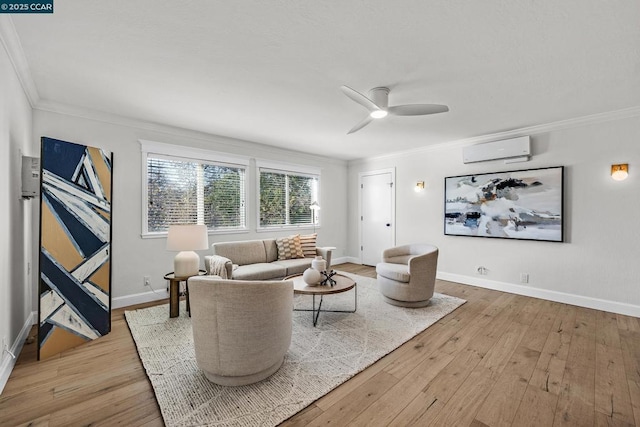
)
(257, 148)
(514, 133)
(11, 42)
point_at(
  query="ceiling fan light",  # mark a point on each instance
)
(378, 114)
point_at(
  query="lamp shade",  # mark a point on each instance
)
(188, 237)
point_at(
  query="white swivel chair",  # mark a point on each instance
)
(241, 329)
(407, 274)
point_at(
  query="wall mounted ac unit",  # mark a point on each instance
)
(515, 149)
(30, 177)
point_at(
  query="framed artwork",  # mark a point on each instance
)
(524, 204)
(75, 246)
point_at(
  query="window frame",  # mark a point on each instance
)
(180, 152)
(279, 167)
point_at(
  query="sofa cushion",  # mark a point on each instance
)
(289, 247)
(259, 271)
(241, 253)
(308, 243)
(295, 266)
(397, 272)
(271, 249)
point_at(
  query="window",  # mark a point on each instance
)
(286, 197)
(191, 190)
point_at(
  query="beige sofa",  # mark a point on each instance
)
(258, 260)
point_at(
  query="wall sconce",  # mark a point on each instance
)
(419, 186)
(620, 172)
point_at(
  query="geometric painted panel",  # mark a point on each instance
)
(75, 246)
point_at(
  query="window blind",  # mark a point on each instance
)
(285, 198)
(188, 191)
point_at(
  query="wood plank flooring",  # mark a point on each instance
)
(499, 360)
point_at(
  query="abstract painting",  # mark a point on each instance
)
(524, 204)
(75, 246)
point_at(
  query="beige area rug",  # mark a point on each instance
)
(318, 360)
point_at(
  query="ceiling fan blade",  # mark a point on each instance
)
(417, 109)
(359, 98)
(360, 125)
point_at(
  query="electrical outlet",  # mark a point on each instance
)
(147, 281)
(524, 277)
(481, 270)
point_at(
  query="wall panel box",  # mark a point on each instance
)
(504, 149)
(30, 177)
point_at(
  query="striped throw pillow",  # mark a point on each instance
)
(308, 243)
(289, 247)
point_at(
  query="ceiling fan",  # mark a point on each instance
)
(378, 105)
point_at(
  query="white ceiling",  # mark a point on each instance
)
(270, 71)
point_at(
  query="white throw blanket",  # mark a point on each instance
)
(217, 266)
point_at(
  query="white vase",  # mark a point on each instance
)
(318, 263)
(311, 276)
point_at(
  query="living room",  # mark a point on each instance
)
(588, 121)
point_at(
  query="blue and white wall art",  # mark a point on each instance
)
(524, 204)
(75, 246)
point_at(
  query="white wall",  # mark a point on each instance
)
(135, 257)
(598, 264)
(15, 225)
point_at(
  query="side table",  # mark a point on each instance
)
(174, 291)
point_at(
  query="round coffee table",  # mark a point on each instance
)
(342, 284)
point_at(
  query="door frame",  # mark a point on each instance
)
(361, 175)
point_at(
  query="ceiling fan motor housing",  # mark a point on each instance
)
(380, 97)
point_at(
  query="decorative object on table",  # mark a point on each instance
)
(525, 204)
(75, 246)
(319, 264)
(342, 345)
(187, 238)
(311, 277)
(328, 277)
(315, 207)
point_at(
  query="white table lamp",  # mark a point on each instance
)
(187, 239)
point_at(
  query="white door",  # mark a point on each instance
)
(376, 215)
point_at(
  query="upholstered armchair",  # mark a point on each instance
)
(407, 274)
(241, 329)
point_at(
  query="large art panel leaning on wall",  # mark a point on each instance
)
(75, 246)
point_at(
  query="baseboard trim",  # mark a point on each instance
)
(340, 260)
(119, 302)
(7, 362)
(344, 259)
(581, 301)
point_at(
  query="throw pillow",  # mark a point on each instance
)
(289, 247)
(308, 243)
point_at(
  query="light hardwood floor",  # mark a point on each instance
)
(499, 360)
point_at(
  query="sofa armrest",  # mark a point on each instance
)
(213, 262)
(325, 252)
